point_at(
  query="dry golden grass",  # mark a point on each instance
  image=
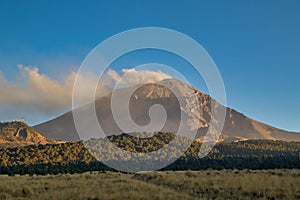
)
(208, 184)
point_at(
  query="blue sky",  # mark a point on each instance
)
(255, 44)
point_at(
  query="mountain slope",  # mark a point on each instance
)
(237, 125)
(14, 134)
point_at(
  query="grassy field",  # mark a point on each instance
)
(208, 184)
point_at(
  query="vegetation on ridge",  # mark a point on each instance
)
(73, 157)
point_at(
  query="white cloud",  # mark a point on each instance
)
(131, 77)
(37, 96)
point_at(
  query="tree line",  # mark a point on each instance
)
(75, 158)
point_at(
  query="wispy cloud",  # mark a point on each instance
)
(130, 77)
(38, 97)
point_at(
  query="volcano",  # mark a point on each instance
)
(237, 126)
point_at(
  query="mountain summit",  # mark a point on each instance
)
(237, 126)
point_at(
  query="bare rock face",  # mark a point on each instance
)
(237, 126)
(14, 134)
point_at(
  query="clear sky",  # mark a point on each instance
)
(255, 44)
